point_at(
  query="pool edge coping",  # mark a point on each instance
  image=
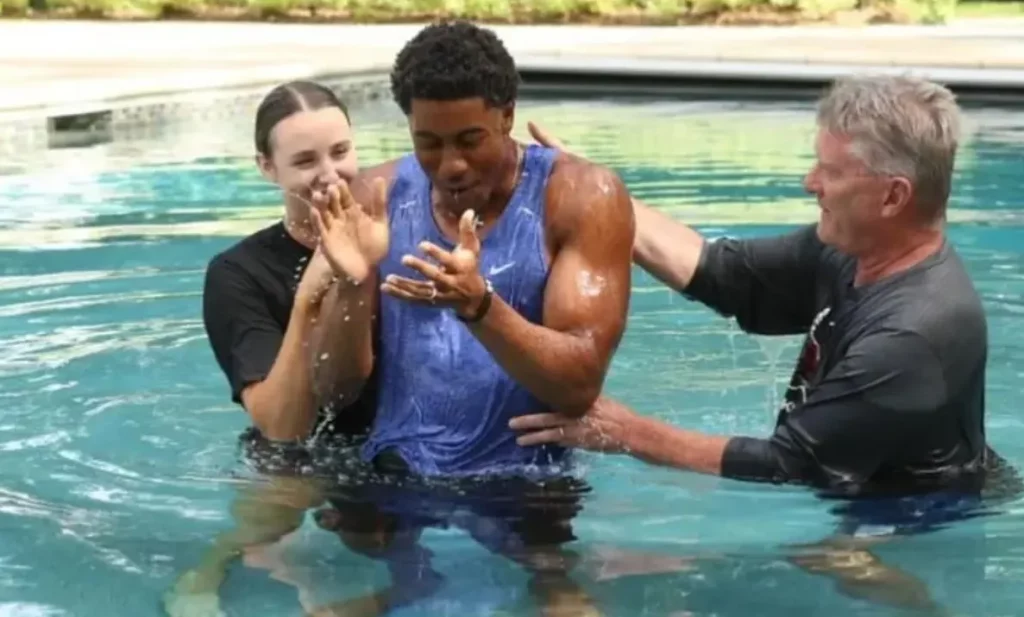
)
(152, 102)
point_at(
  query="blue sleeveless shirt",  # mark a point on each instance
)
(444, 402)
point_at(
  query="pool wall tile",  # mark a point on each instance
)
(150, 114)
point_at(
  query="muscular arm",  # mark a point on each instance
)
(343, 339)
(563, 361)
(767, 284)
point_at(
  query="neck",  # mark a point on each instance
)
(298, 224)
(912, 248)
(510, 178)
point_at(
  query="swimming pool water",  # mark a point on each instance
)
(117, 438)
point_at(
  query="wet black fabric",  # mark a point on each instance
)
(248, 296)
(888, 394)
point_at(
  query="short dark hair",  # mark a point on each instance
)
(287, 99)
(452, 60)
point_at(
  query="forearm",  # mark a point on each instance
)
(658, 443)
(283, 405)
(563, 370)
(667, 249)
(342, 345)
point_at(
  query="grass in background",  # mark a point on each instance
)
(634, 12)
(990, 9)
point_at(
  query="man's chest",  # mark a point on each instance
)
(838, 321)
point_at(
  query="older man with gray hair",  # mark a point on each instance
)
(888, 395)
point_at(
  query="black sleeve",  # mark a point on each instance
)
(244, 336)
(876, 400)
(767, 284)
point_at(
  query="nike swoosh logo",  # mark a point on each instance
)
(495, 270)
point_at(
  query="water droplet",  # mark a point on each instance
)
(346, 318)
(324, 356)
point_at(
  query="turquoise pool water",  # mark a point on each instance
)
(117, 439)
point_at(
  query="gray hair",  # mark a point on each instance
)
(899, 125)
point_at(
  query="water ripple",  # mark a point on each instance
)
(118, 440)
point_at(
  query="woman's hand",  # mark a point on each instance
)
(353, 236)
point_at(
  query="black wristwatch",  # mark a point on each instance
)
(485, 305)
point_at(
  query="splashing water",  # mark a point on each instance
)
(589, 284)
(111, 432)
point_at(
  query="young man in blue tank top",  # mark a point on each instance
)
(505, 290)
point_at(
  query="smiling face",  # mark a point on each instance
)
(310, 149)
(464, 148)
(859, 208)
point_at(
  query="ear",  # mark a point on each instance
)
(267, 168)
(508, 118)
(899, 198)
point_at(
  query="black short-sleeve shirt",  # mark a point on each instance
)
(888, 394)
(248, 297)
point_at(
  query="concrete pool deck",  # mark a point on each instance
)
(53, 68)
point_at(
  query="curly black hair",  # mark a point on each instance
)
(452, 60)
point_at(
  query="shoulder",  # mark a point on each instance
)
(227, 275)
(940, 304)
(235, 264)
(577, 183)
(584, 194)
(230, 261)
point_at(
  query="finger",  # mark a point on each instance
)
(429, 270)
(397, 292)
(551, 435)
(419, 288)
(322, 226)
(543, 137)
(333, 201)
(536, 421)
(345, 198)
(380, 201)
(318, 198)
(408, 294)
(438, 254)
(467, 232)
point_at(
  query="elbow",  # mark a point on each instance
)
(274, 433)
(579, 400)
(276, 426)
(274, 420)
(586, 382)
